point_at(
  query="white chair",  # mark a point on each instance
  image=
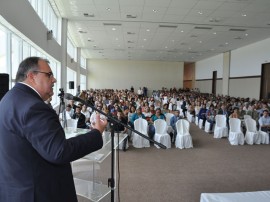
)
(200, 123)
(246, 116)
(168, 119)
(221, 129)
(190, 117)
(207, 127)
(264, 137)
(140, 125)
(236, 135)
(252, 135)
(161, 134)
(71, 126)
(196, 120)
(183, 138)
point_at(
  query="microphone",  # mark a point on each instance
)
(69, 96)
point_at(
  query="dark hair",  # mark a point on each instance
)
(28, 64)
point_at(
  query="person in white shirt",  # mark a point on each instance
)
(264, 121)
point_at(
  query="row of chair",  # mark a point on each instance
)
(235, 134)
(183, 138)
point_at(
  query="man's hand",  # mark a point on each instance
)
(100, 124)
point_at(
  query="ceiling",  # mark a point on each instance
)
(163, 30)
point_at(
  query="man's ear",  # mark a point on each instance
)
(30, 77)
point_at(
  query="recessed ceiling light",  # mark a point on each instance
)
(246, 34)
(226, 43)
(182, 31)
(200, 12)
(244, 15)
(214, 33)
(144, 39)
(108, 9)
(113, 29)
(148, 30)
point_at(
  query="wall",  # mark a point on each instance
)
(247, 61)
(204, 72)
(116, 74)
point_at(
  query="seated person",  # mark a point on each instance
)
(235, 113)
(210, 116)
(137, 115)
(264, 121)
(80, 116)
(157, 115)
(202, 114)
(173, 121)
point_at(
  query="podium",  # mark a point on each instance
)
(92, 189)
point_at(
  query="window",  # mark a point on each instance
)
(26, 50)
(3, 51)
(71, 50)
(83, 62)
(46, 13)
(83, 82)
(15, 54)
(55, 66)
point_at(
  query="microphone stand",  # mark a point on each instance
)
(62, 108)
(113, 122)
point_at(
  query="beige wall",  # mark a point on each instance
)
(245, 87)
(118, 74)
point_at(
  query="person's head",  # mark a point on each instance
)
(158, 111)
(139, 110)
(84, 108)
(176, 112)
(265, 113)
(78, 109)
(68, 107)
(36, 72)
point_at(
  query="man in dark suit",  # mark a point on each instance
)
(35, 156)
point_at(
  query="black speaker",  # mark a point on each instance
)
(4, 84)
(71, 84)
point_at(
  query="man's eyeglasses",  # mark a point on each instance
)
(49, 74)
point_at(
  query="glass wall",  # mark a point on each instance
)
(46, 13)
(71, 50)
(83, 62)
(14, 49)
(3, 50)
(83, 82)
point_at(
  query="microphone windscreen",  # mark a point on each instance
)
(68, 96)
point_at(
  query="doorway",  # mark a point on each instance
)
(265, 82)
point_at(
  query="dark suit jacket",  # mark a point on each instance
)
(34, 154)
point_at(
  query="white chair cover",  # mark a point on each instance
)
(190, 117)
(207, 127)
(252, 135)
(71, 125)
(183, 138)
(161, 134)
(168, 119)
(264, 137)
(236, 136)
(140, 125)
(246, 116)
(221, 129)
(200, 123)
(196, 120)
